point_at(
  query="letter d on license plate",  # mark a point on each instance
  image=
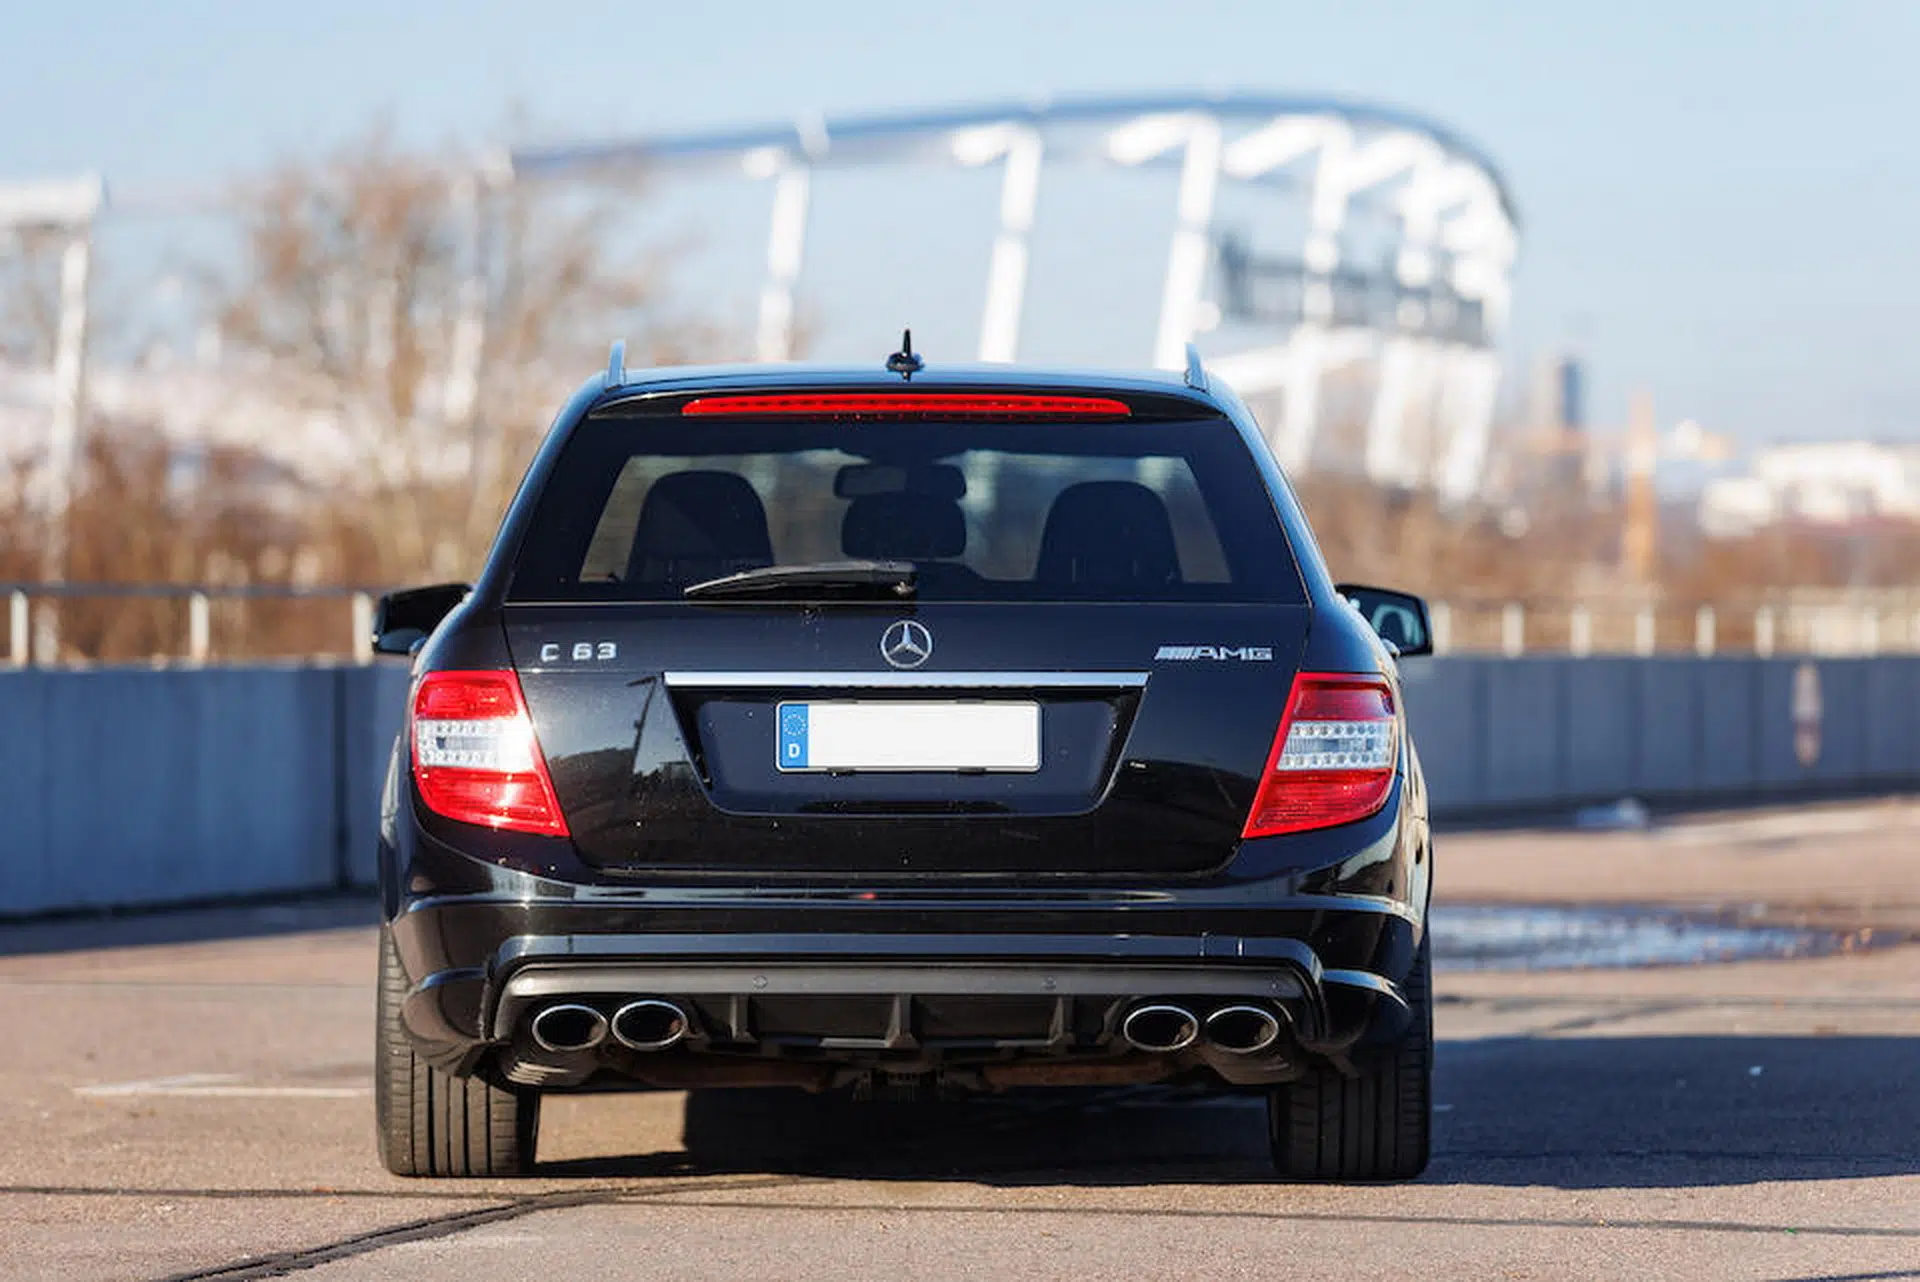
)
(907, 736)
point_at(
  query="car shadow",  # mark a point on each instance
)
(1572, 1113)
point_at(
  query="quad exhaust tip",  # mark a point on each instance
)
(650, 1024)
(1160, 1027)
(1243, 1030)
(569, 1027)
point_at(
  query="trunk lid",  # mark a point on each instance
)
(663, 737)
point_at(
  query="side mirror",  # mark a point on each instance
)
(402, 620)
(1398, 618)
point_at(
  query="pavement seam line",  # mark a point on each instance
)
(281, 1264)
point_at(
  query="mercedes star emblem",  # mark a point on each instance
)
(906, 644)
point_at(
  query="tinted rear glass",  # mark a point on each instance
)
(639, 508)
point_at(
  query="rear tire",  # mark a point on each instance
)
(434, 1123)
(1373, 1126)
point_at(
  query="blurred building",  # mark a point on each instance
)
(195, 408)
(1558, 394)
(1820, 483)
(1557, 419)
(1546, 445)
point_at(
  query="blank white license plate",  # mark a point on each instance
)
(908, 736)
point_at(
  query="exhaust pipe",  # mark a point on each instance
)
(1160, 1027)
(569, 1027)
(1243, 1030)
(650, 1024)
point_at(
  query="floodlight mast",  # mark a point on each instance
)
(786, 244)
(1020, 146)
(790, 164)
(66, 209)
(476, 197)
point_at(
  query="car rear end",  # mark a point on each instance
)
(948, 735)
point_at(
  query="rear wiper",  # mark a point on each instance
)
(835, 578)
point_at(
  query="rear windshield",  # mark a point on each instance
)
(637, 509)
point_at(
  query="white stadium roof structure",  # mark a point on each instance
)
(1364, 285)
(1418, 323)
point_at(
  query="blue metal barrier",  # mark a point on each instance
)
(132, 787)
(1499, 735)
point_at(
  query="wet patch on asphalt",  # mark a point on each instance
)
(1555, 937)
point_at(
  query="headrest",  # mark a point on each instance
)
(903, 527)
(699, 525)
(1108, 533)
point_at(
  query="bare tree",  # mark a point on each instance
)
(435, 313)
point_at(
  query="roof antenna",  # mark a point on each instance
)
(1196, 372)
(905, 362)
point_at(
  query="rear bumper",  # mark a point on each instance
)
(784, 1004)
(901, 974)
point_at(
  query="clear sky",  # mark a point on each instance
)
(1721, 199)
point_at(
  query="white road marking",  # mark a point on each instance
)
(214, 1086)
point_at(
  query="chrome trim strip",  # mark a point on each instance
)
(1336, 903)
(892, 680)
(934, 978)
(1364, 979)
(877, 948)
(453, 975)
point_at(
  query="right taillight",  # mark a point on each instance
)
(1333, 759)
(475, 757)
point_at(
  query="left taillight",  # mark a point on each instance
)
(1334, 757)
(475, 757)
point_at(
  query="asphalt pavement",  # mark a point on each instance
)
(188, 1096)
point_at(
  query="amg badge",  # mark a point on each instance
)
(1248, 653)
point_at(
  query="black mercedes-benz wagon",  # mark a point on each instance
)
(903, 729)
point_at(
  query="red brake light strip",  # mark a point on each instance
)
(910, 405)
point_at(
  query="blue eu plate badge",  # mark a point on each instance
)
(793, 736)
